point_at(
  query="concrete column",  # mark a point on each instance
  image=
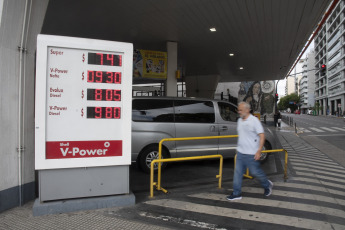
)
(1, 6)
(17, 111)
(171, 82)
(324, 107)
(201, 86)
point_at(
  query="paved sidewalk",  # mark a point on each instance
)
(21, 218)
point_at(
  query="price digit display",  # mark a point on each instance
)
(104, 112)
(103, 95)
(104, 59)
(104, 77)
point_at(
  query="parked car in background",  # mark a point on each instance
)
(156, 118)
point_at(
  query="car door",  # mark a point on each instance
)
(227, 125)
(195, 118)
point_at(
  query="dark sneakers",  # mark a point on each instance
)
(268, 191)
(233, 197)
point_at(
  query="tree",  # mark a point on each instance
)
(317, 107)
(290, 101)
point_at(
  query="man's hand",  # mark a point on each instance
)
(257, 155)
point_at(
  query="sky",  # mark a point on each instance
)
(282, 83)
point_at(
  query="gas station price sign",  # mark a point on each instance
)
(83, 102)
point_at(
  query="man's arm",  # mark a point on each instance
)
(262, 142)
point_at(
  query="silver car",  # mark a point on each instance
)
(156, 118)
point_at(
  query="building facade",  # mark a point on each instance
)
(330, 50)
(307, 83)
(297, 80)
(290, 85)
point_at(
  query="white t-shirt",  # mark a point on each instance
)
(248, 135)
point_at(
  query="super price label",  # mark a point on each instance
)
(82, 149)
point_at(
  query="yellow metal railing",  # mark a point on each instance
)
(175, 159)
(152, 183)
(160, 160)
(268, 151)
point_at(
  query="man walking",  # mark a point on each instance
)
(251, 139)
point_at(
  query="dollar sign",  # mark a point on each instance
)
(83, 57)
(82, 112)
(83, 76)
(82, 94)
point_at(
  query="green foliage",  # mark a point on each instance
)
(284, 102)
(317, 107)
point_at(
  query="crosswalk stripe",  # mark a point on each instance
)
(319, 167)
(328, 129)
(307, 162)
(341, 129)
(305, 149)
(305, 130)
(275, 203)
(307, 157)
(303, 179)
(241, 214)
(316, 171)
(290, 194)
(327, 161)
(311, 187)
(302, 152)
(317, 130)
(315, 175)
(311, 157)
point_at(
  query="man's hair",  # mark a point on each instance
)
(246, 105)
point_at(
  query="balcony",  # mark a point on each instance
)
(334, 49)
(320, 78)
(336, 90)
(336, 78)
(335, 38)
(334, 69)
(334, 59)
(319, 86)
(304, 80)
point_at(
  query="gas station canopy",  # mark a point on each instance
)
(264, 36)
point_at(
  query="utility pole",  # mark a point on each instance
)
(275, 101)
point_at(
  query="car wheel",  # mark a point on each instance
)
(148, 155)
(264, 156)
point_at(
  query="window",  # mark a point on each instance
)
(190, 111)
(227, 111)
(147, 110)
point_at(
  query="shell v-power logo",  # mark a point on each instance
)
(82, 149)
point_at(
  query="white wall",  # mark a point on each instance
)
(13, 12)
